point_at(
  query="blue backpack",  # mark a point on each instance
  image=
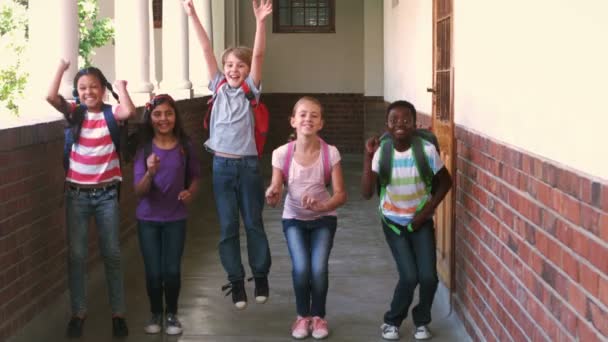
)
(68, 134)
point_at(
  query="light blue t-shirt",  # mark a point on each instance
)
(232, 122)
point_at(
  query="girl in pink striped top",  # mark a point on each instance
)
(92, 180)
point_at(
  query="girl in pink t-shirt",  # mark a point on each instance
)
(309, 215)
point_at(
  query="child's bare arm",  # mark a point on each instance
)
(369, 178)
(203, 38)
(275, 190)
(338, 198)
(53, 97)
(126, 109)
(261, 10)
(444, 183)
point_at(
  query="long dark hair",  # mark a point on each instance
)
(76, 117)
(147, 130)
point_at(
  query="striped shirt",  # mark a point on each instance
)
(94, 159)
(406, 189)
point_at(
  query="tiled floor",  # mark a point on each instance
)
(362, 278)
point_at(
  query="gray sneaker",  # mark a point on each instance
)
(154, 324)
(390, 332)
(174, 327)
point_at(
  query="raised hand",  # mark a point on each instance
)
(63, 65)
(261, 9)
(153, 163)
(273, 195)
(371, 145)
(120, 85)
(189, 7)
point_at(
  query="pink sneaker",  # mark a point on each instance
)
(319, 328)
(300, 327)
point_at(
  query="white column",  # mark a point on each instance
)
(198, 68)
(175, 51)
(132, 52)
(53, 34)
(154, 58)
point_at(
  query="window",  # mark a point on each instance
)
(303, 16)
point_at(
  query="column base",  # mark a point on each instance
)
(201, 91)
(140, 99)
(176, 94)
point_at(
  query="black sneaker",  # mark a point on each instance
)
(261, 289)
(75, 327)
(239, 296)
(119, 327)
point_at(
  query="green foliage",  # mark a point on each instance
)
(13, 40)
(94, 32)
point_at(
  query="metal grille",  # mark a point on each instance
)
(303, 16)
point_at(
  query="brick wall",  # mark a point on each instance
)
(532, 246)
(343, 115)
(32, 224)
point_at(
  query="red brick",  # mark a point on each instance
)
(590, 219)
(599, 318)
(603, 201)
(603, 290)
(603, 227)
(598, 255)
(570, 265)
(589, 279)
(578, 300)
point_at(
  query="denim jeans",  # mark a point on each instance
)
(238, 187)
(162, 246)
(309, 244)
(103, 206)
(414, 254)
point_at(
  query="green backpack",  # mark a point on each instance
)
(420, 159)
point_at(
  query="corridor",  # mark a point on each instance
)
(362, 277)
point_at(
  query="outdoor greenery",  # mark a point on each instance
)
(94, 32)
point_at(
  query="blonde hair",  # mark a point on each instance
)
(293, 136)
(241, 52)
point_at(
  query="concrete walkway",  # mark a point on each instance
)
(362, 278)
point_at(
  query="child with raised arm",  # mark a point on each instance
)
(167, 177)
(237, 180)
(307, 166)
(92, 180)
(407, 209)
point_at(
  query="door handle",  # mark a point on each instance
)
(430, 90)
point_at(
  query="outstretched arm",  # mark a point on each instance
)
(338, 197)
(203, 38)
(261, 10)
(53, 97)
(444, 183)
(275, 190)
(126, 109)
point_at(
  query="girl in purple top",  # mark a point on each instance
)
(167, 175)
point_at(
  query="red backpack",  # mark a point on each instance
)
(260, 115)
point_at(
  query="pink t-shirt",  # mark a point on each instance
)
(304, 180)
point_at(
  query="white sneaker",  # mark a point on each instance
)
(154, 324)
(389, 332)
(422, 333)
(174, 327)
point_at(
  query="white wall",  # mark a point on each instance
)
(373, 47)
(531, 74)
(312, 63)
(104, 56)
(408, 52)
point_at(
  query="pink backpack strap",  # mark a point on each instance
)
(326, 161)
(287, 162)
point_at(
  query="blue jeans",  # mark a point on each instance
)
(162, 246)
(309, 244)
(238, 187)
(414, 254)
(103, 206)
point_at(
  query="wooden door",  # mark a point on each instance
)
(443, 126)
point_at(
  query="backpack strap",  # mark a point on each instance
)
(385, 161)
(112, 126)
(210, 103)
(422, 163)
(186, 151)
(291, 146)
(249, 94)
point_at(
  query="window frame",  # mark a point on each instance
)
(329, 28)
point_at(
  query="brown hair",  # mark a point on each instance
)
(293, 135)
(241, 52)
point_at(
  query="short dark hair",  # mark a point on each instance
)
(402, 104)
